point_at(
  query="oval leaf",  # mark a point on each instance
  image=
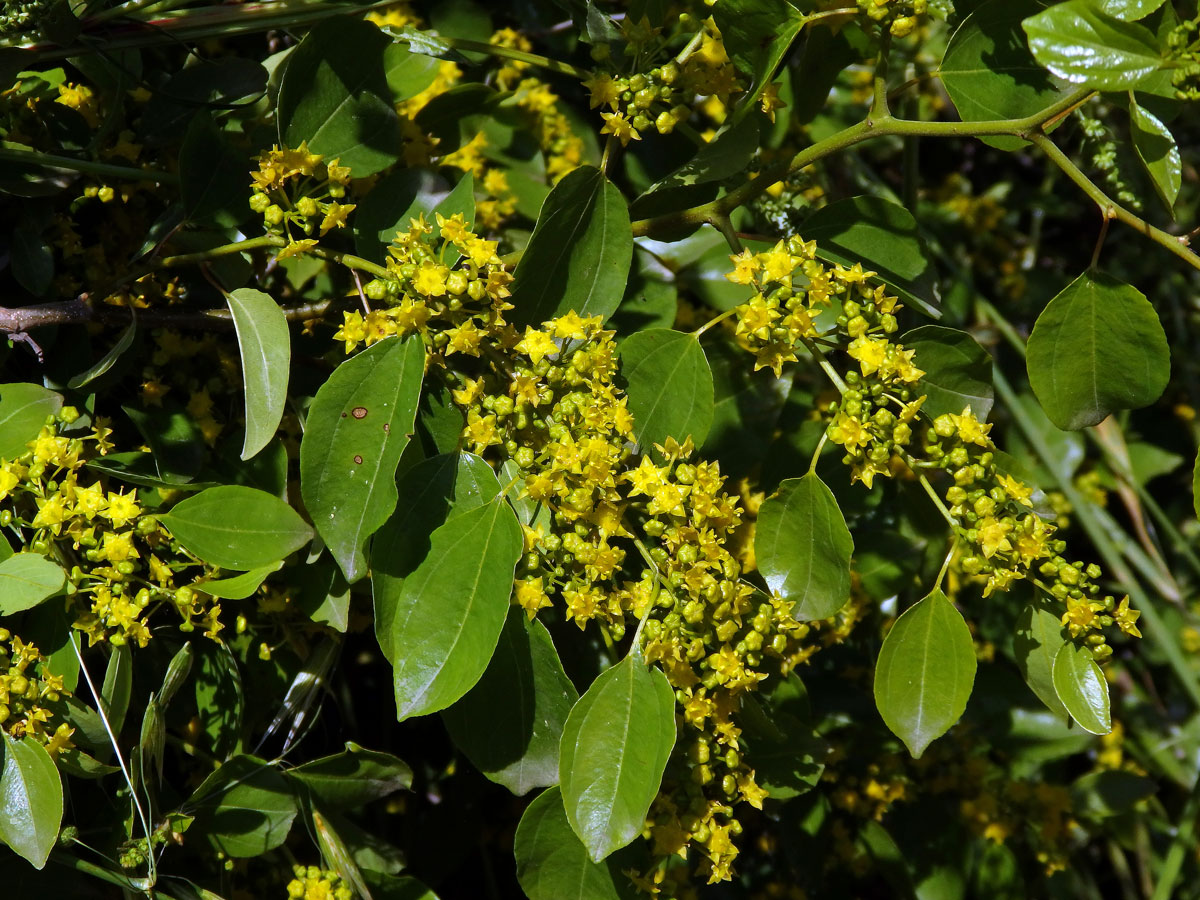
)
(551, 862)
(925, 672)
(357, 428)
(614, 749)
(803, 548)
(239, 587)
(1097, 347)
(266, 350)
(106, 362)
(958, 372)
(670, 386)
(26, 579)
(1081, 688)
(355, 776)
(237, 527)
(509, 725)
(245, 808)
(335, 95)
(1156, 148)
(1038, 639)
(1078, 42)
(23, 412)
(31, 800)
(451, 609)
(578, 256)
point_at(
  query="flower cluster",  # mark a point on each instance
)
(313, 883)
(1184, 50)
(19, 16)
(294, 188)
(636, 102)
(900, 16)
(27, 688)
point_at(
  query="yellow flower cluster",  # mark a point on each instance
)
(25, 685)
(900, 16)
(313, 883)
(121, 563)
(296, 188)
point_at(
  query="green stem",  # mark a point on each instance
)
(86, 166)
(79, 865)
(534, 59)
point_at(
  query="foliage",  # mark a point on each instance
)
(730, 416)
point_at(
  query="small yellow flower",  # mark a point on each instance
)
(536, 345)
(619, 127)
(122, 508)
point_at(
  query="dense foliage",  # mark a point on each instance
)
(761, 430)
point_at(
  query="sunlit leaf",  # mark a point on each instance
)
(237, 527)
(669, 386)
(266, 351)
(31, 799)
(1081, 688)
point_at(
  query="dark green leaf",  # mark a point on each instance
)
(214, 174)
(509, 725)
(266, 350)
(407, 73)
(117, 687)
(925, 672)
(803, 548)
(1110, 792)
(138, 468)
(239, 587)
(614, 749)
(884, 238)
(757, 35)
(1038, 639)
(670, 386)
(335, 95)
(237, 527)
(31, 799)
(1156, 148)
(578, 257)
(106, 362)
(399, 197)
(26, 579)
(958, 372)
(1076, 41)
(173, 437)
(451, 608)
(780, 744)
(1081, 688)
(552, 864)
(725, 155)
(32, 260)
(355, 776)
(23, 411)
(1097, 347)
(357, 428)
(245, 808)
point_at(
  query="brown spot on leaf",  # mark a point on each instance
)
(359, 412)
(387, 429)
(358, 460)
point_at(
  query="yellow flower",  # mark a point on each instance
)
(295, 248)
(870, 353)
(51, 513)
(603, 91)
(465, 338)
(777, 263)
(993, 536)
(1126, 618)
(8, 481)
(971, 430)
(619, 127)
(771, 101)
(353, 330)
(122, 508)
(335, 216)
(454, 228)
(118, 547)
(431, 279)
(536, 344)
(531, 595)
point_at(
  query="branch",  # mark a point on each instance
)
(22, 319)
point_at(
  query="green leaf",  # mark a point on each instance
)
(614, 749)
(779, 742)
(803, 548)
(925, 672)
(552, 864)
(357, 428)
(31, 799)
(578, 256)
(26, 579)
(106, 362)
(398, 198)
(1110, 792)
(1196, 485)
(407, 73)
(1077, 42)
(32, 260)
(175, 439)
(23, 411)
(724, 156)
(989, 72)
(881, 235)
(239, 587)
(335, 95)
(958, 372)
(245, 808)
(237, 527)
(1081, 688)
(1038, 639)
(1127, 10)
(757, 35)
(213, 174)
(355, 776)
(451, 609)
(670, 386)
(266, 350)
(1156, 148)
(1097, 347)
(509, 725)
(117, 687)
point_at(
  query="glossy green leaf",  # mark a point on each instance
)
(803, 548)
(23, 411)
(1128, 10)
(1077, 42)
(26, 579)
(757, 35)
(1156, 148)
(266, 350)
(1081, 688)
(669, 386)
(451, 608)
(1038, 639)
(117, 688)
(245, 808)
(958, 372)
(614, 749)
(357, 427)
(335, 95)
(989, 72)
(509, 725)
(578, 256)
(432, 492)
(1098, 347)
(238, 587)
(925, 672)
(552, 863)
(237, 527)
(31, 799)
(407, 73)
(881, 235)
(352, 777)
(108, 360)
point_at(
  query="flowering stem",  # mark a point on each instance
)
(937, 585)
(713, 321)
(812, 466)
(534, 59)
(85, 166)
